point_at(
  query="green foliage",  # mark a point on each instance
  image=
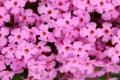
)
(21, 75)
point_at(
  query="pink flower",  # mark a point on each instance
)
(40, 20)
(48, 11)
(4, 16)
(83, 5)
(111, 67)
(81, 49)
(88, 67)
(45, 35)
(67, 21)
(26, 17)
(2, 63)
(16, 36)
(66, 48)
(90, 32)
(116, 39)
(14, 5)
(17, 66)
(6, 75)
(57, 35)
(42, 48)
(25, 50)
(82, 17)
(102, 6)
(32, 0)
(3, 33)
(70, 64)
(106, 31)
(114, 53)
(3, 42)
(38, 70)
(116, 2)
(71, 35)
(9, 51)
(61, 4)
(30, 33)
(112, 14)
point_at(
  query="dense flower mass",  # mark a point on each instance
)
(59, 39)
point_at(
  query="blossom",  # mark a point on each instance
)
(17, 66)
(113, 53)
(32, 0)
(115, 39)
(6, 75)
(80, 49)
(66, 20)
(83, 5)
(14, 5)
(4, 16)
(2, 63)
(16, 36)
(25, 50)
(30, 33)
(27, 17)
(61, 4)
(106, 31)
(112, 14)
(116, 2)
(9, 51)
(82, 17)
(59, 39)
(48, 11)
(90, 32)
(103, 6)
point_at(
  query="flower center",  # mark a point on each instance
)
(92, 32)
(60, 3)
(19, 36)
(88, 1)
(67, 48)
(87, 63)
(15, 3)
(81, 20)
(26, 50)
(39, 47)
(67, 22)
(1, 16)
(106, 31)
(0, 35)
(1, 59)
(80, 49)
(101, 3)
(11, 49)
(24, 17)
(43, 33)
(49, 12)
(31, 33)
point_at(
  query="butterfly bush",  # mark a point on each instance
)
(59, 39)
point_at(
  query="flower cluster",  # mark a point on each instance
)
(59, 39)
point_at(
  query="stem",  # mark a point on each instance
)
(108, 76)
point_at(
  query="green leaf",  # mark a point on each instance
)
(103, 77)
(56, 78)
(98, 68)
(115, 75)
(25, 73)
(17, 77)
